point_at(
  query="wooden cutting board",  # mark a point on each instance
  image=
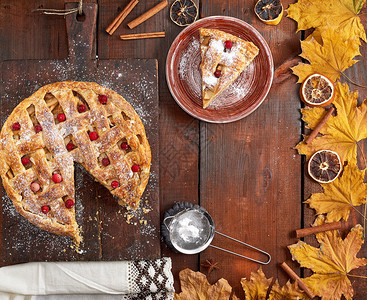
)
(109, 231)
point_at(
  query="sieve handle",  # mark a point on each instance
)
(165, 224)
(174, 216)
(243, 243)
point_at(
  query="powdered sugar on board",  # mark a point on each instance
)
(189, 72)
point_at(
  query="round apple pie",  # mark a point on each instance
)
(58, 125)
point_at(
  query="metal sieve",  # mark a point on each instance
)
(190, 229)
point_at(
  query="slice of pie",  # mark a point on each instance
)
(58, 125)
(223, 59)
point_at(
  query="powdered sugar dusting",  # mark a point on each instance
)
(187, 56)
(210, 80)
(217, 45)
(23, 242)
(229, 56)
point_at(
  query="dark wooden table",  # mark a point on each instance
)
(245, 173)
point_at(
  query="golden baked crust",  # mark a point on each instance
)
(230, 62)
(115, 122)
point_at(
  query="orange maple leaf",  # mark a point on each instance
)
(342, 132)
(332, 262)
(258, 285)
(195, 286)
(340, 15)
(330, 59)
(341, 196)
(289, 291)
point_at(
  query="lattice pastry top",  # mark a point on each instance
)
(223, 58)
(62, 123)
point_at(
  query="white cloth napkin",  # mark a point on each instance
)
(134, 279)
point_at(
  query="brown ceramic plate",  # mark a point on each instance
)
(242, 97)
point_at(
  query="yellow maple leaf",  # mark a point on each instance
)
(332, 262)
(340, 15)
(195, 286)
(342, 132)
(341, 195)
(257, 287)
(329, 59)
(289, 291)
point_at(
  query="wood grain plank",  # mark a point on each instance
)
(249, 175)
(179, 133)
(179, 149)
(27, 35)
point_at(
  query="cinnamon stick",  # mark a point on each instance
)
(319, 126)
(147, 35)
(295, 277)
(122, 15)
(150, 13)
(284, 71)
(316, 229)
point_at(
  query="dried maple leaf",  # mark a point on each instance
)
(329, 59)
(342, 132)
(332, 262)
(289, 291)
(258, 285)
(340, 15)
(195, 286)
(341, 195)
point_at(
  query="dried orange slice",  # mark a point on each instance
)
(325, 166)
(317, 90)
(183, 12)
(269, 11)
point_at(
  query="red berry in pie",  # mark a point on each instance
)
(93, 135)
(115, 184)
(16, 126)
(25, 161)
(35, 187)
(124, 146)
(105, 161)
(102, 99)
(81, 108)
(45, 209)
(56, 178)
(61, 117)
(217, 73)
(228, 44)
(70, 146)
(37, 128)
(135, 168)
(69, 203)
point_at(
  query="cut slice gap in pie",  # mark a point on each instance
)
(223, 58)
